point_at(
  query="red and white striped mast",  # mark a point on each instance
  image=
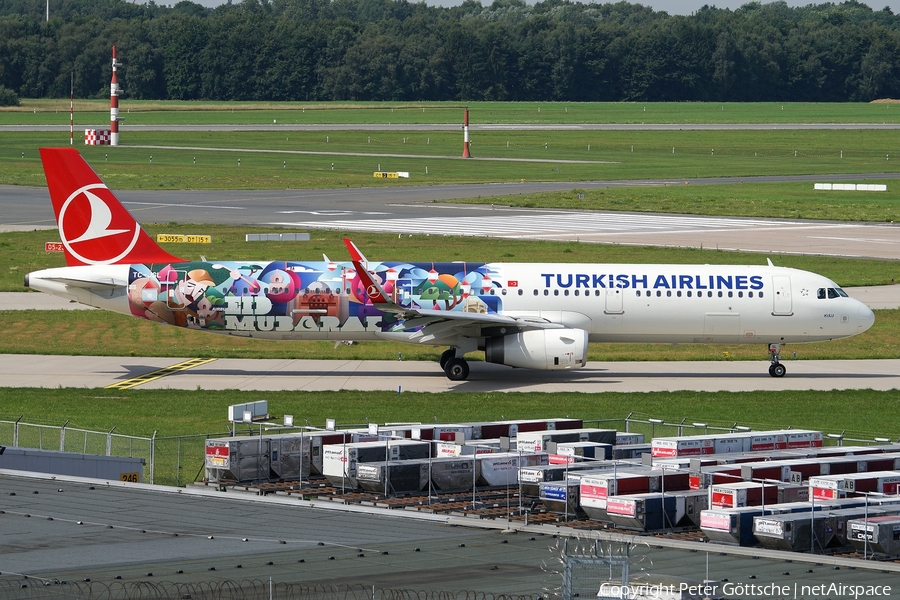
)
(71, 108)
(466, 134)
(114, 103)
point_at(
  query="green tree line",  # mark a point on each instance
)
(396, 50)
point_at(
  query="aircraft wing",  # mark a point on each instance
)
(432, 324)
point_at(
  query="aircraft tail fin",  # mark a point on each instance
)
(94, 227)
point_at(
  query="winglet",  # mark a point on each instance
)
(94, 227)
(376, 293)
(355, 254)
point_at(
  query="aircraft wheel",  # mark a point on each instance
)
(777, 370)
(446, 355)
(456, 369)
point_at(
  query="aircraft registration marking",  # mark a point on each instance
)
(159, 373)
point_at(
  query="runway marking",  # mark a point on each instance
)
(558, 224)
(166, 204)
(843, 239)
(159, 373)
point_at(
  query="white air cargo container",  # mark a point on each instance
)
(502, 468)
(626, 439)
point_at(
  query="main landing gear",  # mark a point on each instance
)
(776, 369)
(456, 368)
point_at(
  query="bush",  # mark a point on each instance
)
(8, 97)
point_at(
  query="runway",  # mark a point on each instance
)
(414, 211)
(414, 376)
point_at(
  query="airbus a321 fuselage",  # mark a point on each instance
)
(530, 315)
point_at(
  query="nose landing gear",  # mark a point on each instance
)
(776, 369)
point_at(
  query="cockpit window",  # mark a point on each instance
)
(830, 293)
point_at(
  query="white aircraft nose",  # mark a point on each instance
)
(865, 317)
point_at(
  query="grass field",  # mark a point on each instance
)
(139, 112)
(185, 412)
(279, 160)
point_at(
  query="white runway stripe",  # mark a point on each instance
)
(548, 224)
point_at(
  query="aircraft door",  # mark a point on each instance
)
(614, 299)
(781, 297)
(174, 284)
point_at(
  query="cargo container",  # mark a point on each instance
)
(319, 439)
(713, 475)
(576, 451)
(396, 476)
(257, 459)
(626, 438)
(742, 493)
(830, 487)
(654, 511)
(843, 516)
(530, 477)
(797, 532)
(465, 449)
(732, 526)
(629, 451)
(536, 441)
(340, 460)
(876, 535)
(595, 489)
(453, 474)
(561, 496)
(502, 468)
(795, 471)
(683, 446)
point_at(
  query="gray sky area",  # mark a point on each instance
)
(673, 7)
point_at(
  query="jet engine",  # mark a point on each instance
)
(545, 349)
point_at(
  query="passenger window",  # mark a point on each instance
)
(639, 293)
(720, 293)
(658, 293)
(820, 293)
(669, 293)
(749, 294)
(760, 294)
(689, 294)
(740, 294)
(546, 292)
(709, 294)
(832, 293)
(730, 294)
(596, 292)
(556, 292)
(678, 293)
(536, 292)
(503, 291)
(521, 292)
(566, 293)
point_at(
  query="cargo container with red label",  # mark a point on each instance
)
(830, 487)
(732, 526)
(742, 493)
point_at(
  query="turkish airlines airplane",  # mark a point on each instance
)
(535, 316)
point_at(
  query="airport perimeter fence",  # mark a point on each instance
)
(180, 460)
(247, 589)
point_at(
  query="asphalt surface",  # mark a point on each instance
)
(415, 210)
(58, 529)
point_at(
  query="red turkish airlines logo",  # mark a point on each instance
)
(87, 229)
